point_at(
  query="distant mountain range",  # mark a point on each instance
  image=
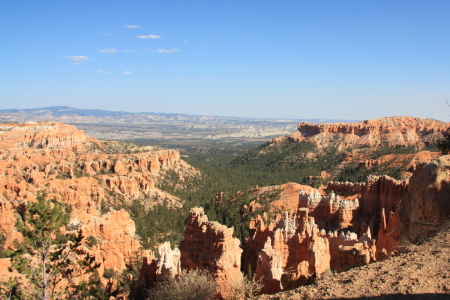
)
(54, 112)
(121, 125)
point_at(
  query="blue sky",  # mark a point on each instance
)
(278, 59)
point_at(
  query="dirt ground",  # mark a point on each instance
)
(422, 271)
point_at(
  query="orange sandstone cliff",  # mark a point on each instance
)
(387, 132)
(86, 175)
(211, 246)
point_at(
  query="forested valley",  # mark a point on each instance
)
(237, 171)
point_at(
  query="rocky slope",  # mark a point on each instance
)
(88, 176)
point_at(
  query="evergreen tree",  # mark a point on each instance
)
(53, 263)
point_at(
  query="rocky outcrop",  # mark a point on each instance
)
(45, 135)
(426, 203)
(87, 176)
(293, 245)
(153, 270)
(332, 228)
(269, 268)
(211, 246)
(386, 132)
(379, 195)
(116, 238)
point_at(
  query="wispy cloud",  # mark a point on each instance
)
(129, 50)
(77, 59)
(103, 71)
(127, 73)
(132, 26)
(112, 50)
(186, 41)
(106, 33)
(167, 51)
(150, 36)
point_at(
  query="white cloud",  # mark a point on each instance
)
(77, 59)
(103, 71)
(126, 73)
(132, 26)
(129, 50)
(186, 41)
(150, 36)
(167, 51)
(112, 50)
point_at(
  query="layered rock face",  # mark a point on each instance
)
(87, 175)
(116, 237)
(336, 227)
(427, 201)
(293, 245)
(81, 171)
(386, 132)
(211, 246)
(370, 208)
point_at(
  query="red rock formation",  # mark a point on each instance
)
(296, 243)
(147, 273)
(211, 246)
(116, 236)
(269, 268)
(302, 237)
(155, 270)
(356, 255)
(388, 132)
(85, 174)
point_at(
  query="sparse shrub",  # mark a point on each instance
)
(73, 227)
(189, 285)
(444, 144)
(247, 288)
(91, 241)
(109, 273)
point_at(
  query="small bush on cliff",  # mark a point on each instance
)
(444, 144)
(189, 285)
(247, 288)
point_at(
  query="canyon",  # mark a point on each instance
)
(89, 177)
(304, 235)
(339, 227)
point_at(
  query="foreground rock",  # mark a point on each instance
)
(211, 246)
(427, 203)
(420, 273)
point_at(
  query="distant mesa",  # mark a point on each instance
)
(382, 132)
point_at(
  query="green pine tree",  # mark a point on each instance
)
(52, 261)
